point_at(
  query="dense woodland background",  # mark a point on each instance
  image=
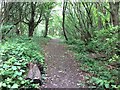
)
(91, 29)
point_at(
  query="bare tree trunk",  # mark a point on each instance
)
(100, 25)
(106, 21)
(17, 30)
(46, 26)
(63, 23)
(31, 22)
(31, 30)
(114, 13)
(88, 7)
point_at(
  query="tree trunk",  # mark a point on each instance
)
(100, 25)
(104, 13)
(63, 23)
(114, 13)
(46, 26)
(31, 22)
(17, 31)
(88, 11)
(31, 30)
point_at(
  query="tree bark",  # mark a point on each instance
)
(46, 26)
(17, 31)
(114, 13)
(31, 22)
(88, 7)
(31, 30)
(63, 23)
(100, 25)
(104, 11)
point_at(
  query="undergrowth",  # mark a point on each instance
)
(15, 54)
(104, 72)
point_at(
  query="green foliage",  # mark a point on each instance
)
(115, 58)
(6, 29)
(81, 21)
(103, 74)
(76, 45)
(16, 53)
(104, 41)
(55, 24)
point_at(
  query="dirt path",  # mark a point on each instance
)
(62, 70)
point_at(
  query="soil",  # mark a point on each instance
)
(63, 71)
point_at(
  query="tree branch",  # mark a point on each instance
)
(107, 9)
(39, 20)
(24, 22)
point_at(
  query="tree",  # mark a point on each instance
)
(47, 15)
(18, 13)
(63, 23)
(114, 8)
(32, 23)
(98, 7)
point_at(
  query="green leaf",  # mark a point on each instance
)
(101, 83)
(4, 85)
(15, 86)
(5, 66)
(22, 70)
(114, 86)
(18, 73)
(8, 79)
(17, 63)
(107, 85)
(9, 86)
(14, 67)
(22, 82)
(0, 84)
(20, 78)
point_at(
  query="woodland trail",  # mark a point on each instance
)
(62, 70)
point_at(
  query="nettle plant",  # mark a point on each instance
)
(15, 55)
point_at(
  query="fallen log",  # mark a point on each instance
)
(34, 73)
(30, 71)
